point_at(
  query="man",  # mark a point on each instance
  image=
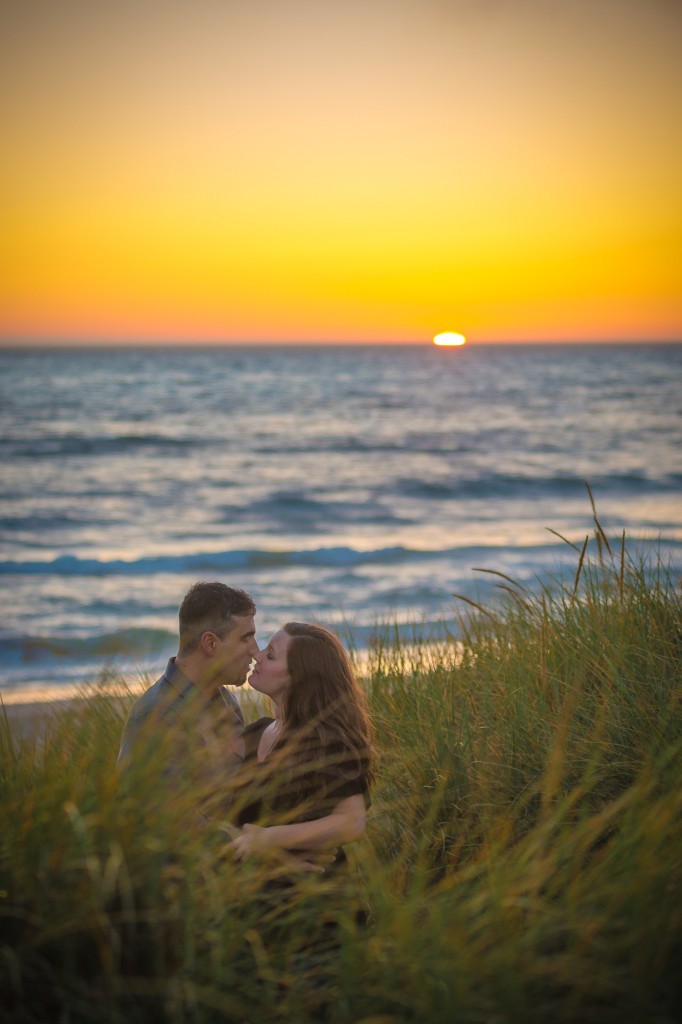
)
(183, 734)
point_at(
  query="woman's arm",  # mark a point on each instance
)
(345, 823)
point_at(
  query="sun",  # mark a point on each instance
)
(448, 338)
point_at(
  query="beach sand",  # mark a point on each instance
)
(28, 720)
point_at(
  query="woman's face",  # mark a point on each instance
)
(270, 674)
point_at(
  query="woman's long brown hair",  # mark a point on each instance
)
(325, 703)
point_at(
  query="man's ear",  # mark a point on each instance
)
(208, 643)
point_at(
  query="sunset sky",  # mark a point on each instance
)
(378, 170)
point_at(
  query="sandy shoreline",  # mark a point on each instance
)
(27, 717)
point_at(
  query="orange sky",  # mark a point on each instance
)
(358, 170)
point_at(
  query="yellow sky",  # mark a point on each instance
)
(326, 170)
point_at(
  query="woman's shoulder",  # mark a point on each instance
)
(258, 726)
(252, 734)
(343, 766)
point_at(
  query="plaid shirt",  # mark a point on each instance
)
(196, 736)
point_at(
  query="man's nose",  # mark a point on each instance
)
(255, 649)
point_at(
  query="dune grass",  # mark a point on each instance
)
(523, 860)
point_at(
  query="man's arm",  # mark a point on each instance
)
(129, 740)
(154, 746)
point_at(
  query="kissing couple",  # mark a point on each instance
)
(293, 787)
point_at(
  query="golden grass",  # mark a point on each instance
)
(523, 861)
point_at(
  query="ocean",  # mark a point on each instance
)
(356, 486)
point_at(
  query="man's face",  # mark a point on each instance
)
(233, 653)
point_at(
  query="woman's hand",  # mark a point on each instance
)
(345, 824)
(253, 839)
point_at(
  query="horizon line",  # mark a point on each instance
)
(176, 342)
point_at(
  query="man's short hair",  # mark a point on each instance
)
(210, 606)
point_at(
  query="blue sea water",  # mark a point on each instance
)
(351, 485)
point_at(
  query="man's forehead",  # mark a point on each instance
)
(242, 625)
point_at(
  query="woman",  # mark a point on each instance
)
(309, 767)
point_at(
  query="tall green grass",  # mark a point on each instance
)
(523, 859)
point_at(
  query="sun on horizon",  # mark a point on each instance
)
(449, 338)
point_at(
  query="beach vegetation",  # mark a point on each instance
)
(523, 860)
